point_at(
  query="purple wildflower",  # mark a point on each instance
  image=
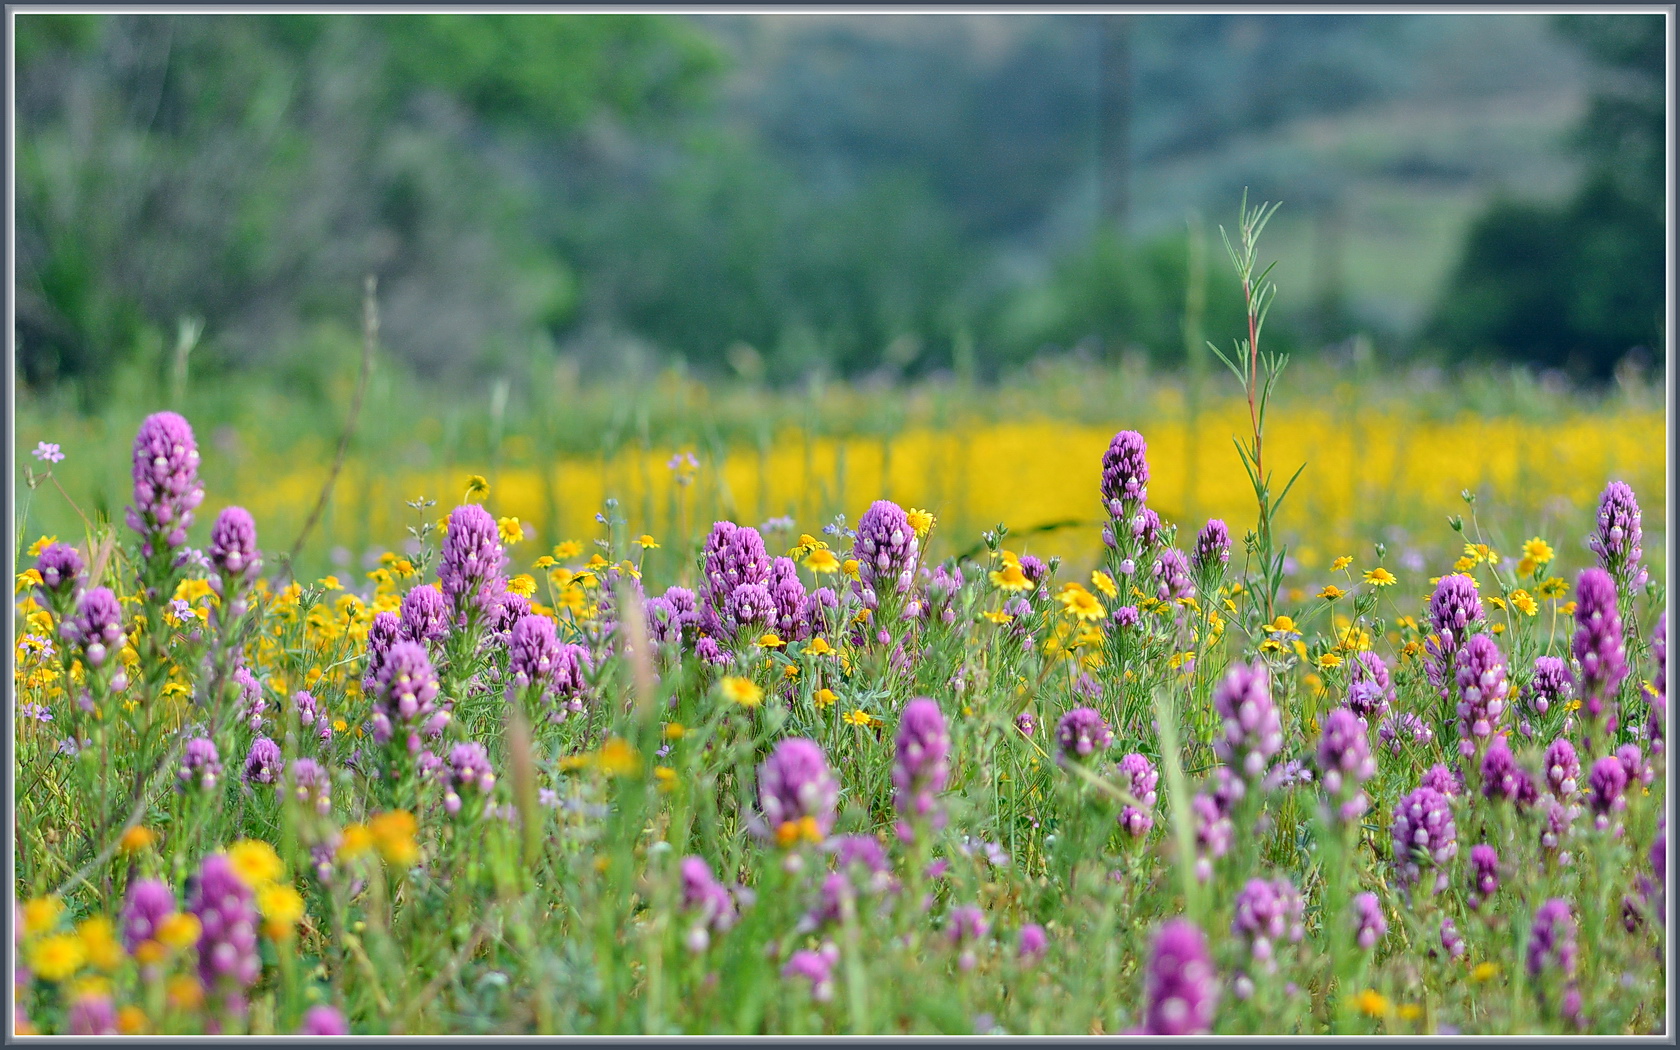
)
(921, 765)
(96, 628)
(1034, 942)
(1268, 912)
(425, 614)
(1172, 575)
(533, 655)
(1424, 836)
(1617, 538)
(200, 765)
(816, 967)
(1125, 473)
(1563, 769)
(1482, 689)
(233, 550)
(1659, 653)
(1253, 733)
(404, 693)
(1138, 779)
(263, 764)
(323, 1020)
(1179, 989)
(1599, 648)
(885, 548)
(92, 1013)
(967, 924)
(1451, 942)
(384, 631)
(1369, 922)
(1345, 762)
(796, 786)
(707, 900)
(1126, 616)
(471, 572)
(787, 594)
(1404, 729)
(1026, 724)
(1560, 818)
(310, 785)
(166, 484)
(1082, 731)
(227, 939)
(1455, 610)
(1634, 765)
(1213, 548)
(148, 903)
(1551, 940)
(469, 774)
(63, 575)
(1370, 689)
(750, 608)
(1484, 873)
(1503, 778)
(1606, 784)
(1443, 779)
(48, 452)
(1213, 833)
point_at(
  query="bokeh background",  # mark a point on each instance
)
(933, 257)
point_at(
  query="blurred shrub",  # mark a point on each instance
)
(1580, 284)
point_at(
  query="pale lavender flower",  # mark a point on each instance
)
(1606, 787)
(707, 901)
(469, 774)
(1370, 689)
(323, 1020)
(1563, 769)
(1268, 913)
(1618, 536)
(404, 693)
(967, 924)
(1172, 575)
(200, 765)
(1404, 729)
(1345, 762)
(1443, 779)
(1451, 942)
(1125, 473)
(96, 628)
(1503, 778)
(310, 784)
(148, 903)
(48, 452)
(227, 940)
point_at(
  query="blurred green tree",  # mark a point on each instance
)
(1578, 285)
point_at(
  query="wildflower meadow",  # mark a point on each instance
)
(807, 776)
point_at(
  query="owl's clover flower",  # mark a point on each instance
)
(710, 905)
(1139, 779)
(797, 792)
(1617, 538)
(470, 575)
(1253, 732)
(404, 694)
(1482, 691)
(148, 903)
(1369, 922)
(1179, 986)
(1484, 873)
(201, 765)
(425, 615)
(469, 774)
(227, 941)
(167, 488)
(886, 549)
(1455, 611)
(263, 764)
(921, 766)
(1424, 836)
(1081, 732)
(1268, 912)
(1599, 649)
(1345, 762)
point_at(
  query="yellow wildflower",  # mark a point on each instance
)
(41, 914)
(666, 777)
(1409, 1011)
(1010, 577)
(819, 646)
(771, 640)
(1080, 603)
(99, 943)
(477, 487)
(510, 530)
(40, 545)
(823, 561)
(1484, 971)
(921, 522)
(523, 585)
(1553, 587)
(1372, 1003)
(1380, 577)
(1567, 608)
(791, 832)
(742, 691)
(26, 580)
(282, 908)
(393, 834)
(255, 862)
(57, 957)
(850, 567)
(179, 930)
(1331, 592)
(857, 716)
(1341, 563)
(567, 549)
(185, 992)
(131, 1020)
(675, 731)
(1103, 582)
(823, 698)
(1329, 660)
